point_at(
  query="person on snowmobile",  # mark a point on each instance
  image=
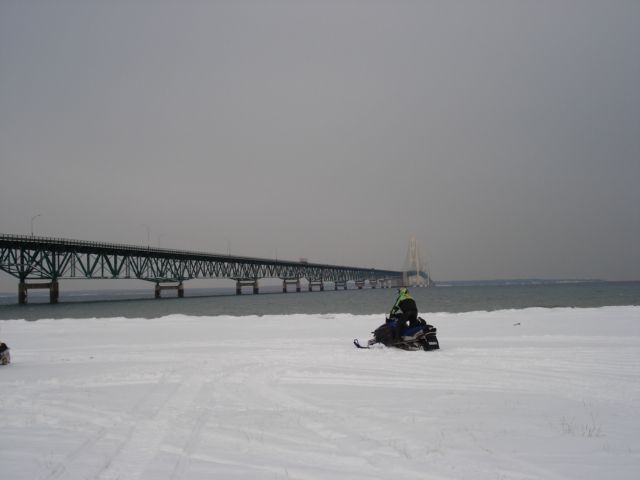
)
(403, 311)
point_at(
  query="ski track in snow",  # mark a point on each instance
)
(555, 397)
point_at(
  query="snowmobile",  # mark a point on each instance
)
(420, 336)
(5, 358)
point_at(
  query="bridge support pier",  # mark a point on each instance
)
(360, 284)
(24, 287)
(247, 282)
(340, 283)
(395, 283)
(290, 281)
(373, 283)
(179, 287)
(54, 292)
(316, 282)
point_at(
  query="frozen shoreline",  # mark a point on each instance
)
(180, 397)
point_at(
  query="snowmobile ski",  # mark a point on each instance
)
(357, 344)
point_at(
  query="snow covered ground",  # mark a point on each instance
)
(519, 394)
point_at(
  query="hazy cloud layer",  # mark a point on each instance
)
(504, 135)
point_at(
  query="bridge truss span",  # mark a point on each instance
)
(40, 262)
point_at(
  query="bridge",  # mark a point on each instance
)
(40, 262)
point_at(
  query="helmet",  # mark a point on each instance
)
(403, 291)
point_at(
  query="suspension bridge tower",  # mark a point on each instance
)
(416, 271)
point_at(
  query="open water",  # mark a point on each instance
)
(271, 301)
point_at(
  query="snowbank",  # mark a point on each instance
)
(519, 394)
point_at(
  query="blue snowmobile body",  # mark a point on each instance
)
(420, 336)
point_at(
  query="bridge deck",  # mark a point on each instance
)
(42, 258)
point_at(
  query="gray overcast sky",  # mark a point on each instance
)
(505, 135)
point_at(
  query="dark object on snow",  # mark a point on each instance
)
(420, 336)
(5, 357)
